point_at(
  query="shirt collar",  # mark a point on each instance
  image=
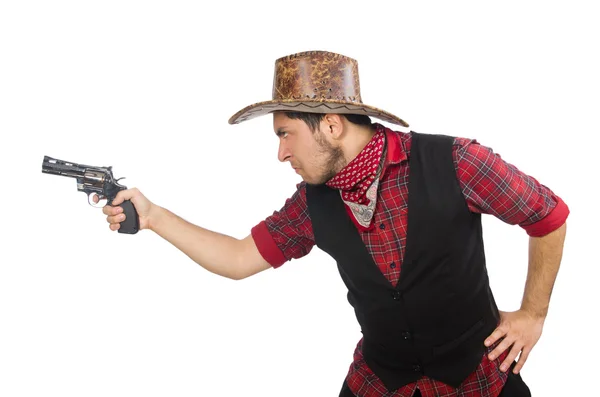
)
(395, 146)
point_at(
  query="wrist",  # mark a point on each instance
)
(155, 216)
(535, 313)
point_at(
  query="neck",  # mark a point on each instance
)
(356, 140)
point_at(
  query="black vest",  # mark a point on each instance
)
(435, 320)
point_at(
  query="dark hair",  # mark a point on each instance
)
(313, 119)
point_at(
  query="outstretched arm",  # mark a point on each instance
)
(218, 253)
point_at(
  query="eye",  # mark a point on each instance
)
(282, 134)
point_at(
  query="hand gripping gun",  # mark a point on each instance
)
(95, 180)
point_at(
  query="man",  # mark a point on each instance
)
(401, 215)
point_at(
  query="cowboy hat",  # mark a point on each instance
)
(315, 82)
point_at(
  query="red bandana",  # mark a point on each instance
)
(356, 177)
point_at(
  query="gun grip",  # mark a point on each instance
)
(131, 224)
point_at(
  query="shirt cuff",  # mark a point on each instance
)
(266, 245)
(555, 219)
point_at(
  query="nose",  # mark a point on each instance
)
(284, 152)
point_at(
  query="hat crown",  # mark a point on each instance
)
(315, 82)
(316, 75)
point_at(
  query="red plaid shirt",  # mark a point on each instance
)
(490, 186)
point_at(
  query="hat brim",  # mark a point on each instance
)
(329, 106)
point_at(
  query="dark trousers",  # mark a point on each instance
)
(514, 387)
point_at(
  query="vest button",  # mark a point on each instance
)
(396, 295)
(405, 335)
(417, 368)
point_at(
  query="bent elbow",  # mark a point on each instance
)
(236, 276)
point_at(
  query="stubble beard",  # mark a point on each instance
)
(334, 159)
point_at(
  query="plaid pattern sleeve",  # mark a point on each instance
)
(494, 186)
(286, 234)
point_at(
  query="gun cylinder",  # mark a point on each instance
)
(92, 178)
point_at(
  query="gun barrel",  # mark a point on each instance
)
(61, 167)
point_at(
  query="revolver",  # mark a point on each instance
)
(95, 180)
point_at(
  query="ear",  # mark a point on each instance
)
(333, 126)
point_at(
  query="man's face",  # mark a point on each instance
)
(312, 155)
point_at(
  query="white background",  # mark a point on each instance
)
(148, 87)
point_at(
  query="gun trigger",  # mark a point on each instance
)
(91, 201)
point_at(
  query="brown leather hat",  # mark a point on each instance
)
(316, 82)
